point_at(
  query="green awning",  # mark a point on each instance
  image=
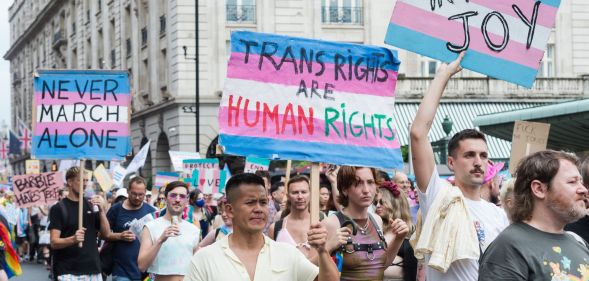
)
(569, 123)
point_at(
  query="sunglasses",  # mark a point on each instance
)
(176, 196)
(377, 202)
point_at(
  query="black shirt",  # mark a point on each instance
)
(72, 259)
(580, 227)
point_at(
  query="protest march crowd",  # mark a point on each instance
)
(373, 226)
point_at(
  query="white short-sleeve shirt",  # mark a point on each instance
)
(276, 262)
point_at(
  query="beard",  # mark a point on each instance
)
(568, 213)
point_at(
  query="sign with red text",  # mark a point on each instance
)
(505, 39)
(37, 190)
(189, 165)
(303, 99)
(81, 114)
(209, 181)
(253, 164)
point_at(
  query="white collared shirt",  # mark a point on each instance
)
(276, 261)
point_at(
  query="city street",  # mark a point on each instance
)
(32, 272)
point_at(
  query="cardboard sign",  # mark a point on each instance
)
(36, 190)
(190, 165)
(505, 39)
(32, 167)
(81, 114)
(163, 178)
(209, 181)
(528, 137)
(178, 156)
(103, 178)
(253, 164)
(304, 99)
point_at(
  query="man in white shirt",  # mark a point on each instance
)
(247, 254)
(467, 158)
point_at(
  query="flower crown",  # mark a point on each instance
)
(392, 187)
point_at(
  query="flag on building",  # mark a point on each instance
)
(14, 144)
(24, 136)
(3, 149)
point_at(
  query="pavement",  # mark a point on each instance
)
(32, 272)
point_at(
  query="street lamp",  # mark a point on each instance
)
(447, 127)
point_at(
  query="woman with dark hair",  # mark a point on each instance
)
(365, 254)
(391, 203)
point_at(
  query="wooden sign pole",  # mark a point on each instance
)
(81, 199)
(287, 171)
(314, 193)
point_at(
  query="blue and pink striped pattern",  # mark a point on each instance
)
(304, 99)
(424, 27)
(81, 114)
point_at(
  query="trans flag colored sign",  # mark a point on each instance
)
(303, 99)
(81, 114)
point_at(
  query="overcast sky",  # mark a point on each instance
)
(5, 101)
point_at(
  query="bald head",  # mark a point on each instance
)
(402, 181)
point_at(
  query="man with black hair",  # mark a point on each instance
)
(467, 158)
(277, 192)
(247, 254)
(71, 262)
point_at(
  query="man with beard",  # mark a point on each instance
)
(491, 188)
(549, 193)
(71, 262)
(246, 254)
(124, 217)
(167, 241)
(452, 256)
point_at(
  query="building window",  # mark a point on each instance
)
(547, 65)
(144, 37)
(113, 58)
(428, 66)
(342, 12)
(162, 24)
(241, 11)
(129, 51)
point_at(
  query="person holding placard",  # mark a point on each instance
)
(467, 158)
(247, 254)
(71, 262)
(365, 254)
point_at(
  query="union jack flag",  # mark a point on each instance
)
(24, 136)
(3, 149)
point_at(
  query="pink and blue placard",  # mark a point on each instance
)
(505, 39)
(303, 99)
(81, 114)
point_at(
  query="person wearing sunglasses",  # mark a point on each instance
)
(167, 241)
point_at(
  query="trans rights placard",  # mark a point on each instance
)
(253, 164)
(81, 114)
(505, 39)
(303, 99)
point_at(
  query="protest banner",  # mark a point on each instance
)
(163, 178)
(189, 165)
(253, 164)
(36, 190)
(178, 156)
(118, 175)
(81, 114)
(528, 137)
(209, 180)
(304, 99)
(103, 178)
(505, 39)
(32, 167)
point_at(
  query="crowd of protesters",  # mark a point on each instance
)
(374, 225)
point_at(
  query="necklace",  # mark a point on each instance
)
(364, 229)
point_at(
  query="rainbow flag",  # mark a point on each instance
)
(10, 264)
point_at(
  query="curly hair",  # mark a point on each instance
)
(346, 178)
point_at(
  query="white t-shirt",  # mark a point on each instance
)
(173, 256)
(488, 220)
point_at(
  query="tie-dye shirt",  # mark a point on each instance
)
(522, 252)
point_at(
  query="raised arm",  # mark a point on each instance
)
(421, 148)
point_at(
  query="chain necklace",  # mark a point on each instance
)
(363, 230)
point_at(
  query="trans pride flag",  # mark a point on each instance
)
(304, 99)
(505, 39)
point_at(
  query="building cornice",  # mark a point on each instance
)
(40, 21)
